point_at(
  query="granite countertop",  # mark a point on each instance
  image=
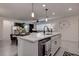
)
(34, 37)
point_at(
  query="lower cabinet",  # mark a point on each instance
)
(45, 47)
(55, 43)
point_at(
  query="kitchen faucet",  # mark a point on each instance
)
(47, 29)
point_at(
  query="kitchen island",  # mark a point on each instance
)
(38, 44)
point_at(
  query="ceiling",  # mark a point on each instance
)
(22, 11)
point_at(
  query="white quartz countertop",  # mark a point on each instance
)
(34, 37)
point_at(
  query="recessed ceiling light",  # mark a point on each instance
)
(53, 13)
(69, 9)
(44, 5)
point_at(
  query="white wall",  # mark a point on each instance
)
(0, 28)
(7, 29)
(69, 28)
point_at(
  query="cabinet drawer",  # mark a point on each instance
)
(56, 40)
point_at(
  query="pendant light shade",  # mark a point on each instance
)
(46, 19)
(46, 15)
(32, 14)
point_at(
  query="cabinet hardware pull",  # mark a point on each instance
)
(55, 42)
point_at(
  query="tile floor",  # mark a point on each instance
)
(6, 49)
(68, 46)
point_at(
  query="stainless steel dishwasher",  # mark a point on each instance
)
(44, 47)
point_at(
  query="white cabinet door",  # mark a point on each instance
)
(53, 49)
(56, 40)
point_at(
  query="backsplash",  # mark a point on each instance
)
(40, 27)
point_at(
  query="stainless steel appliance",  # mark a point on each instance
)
(44, 47)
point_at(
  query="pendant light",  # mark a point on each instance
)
(46, 15)
(32, 14)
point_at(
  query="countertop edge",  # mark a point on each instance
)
(33, 41)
